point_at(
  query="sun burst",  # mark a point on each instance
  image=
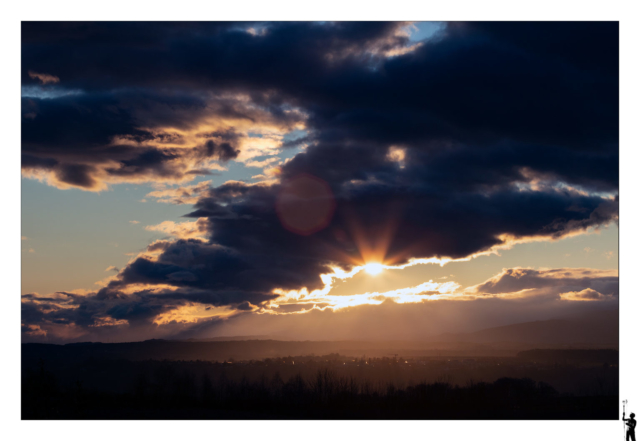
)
(374, 268)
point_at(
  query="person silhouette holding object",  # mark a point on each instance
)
(631, 426)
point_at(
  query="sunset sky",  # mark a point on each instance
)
(315, 180)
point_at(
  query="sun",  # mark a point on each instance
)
(373, 268)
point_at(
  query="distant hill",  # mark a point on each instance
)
(595, 329)
(233, 338)
(256, 349)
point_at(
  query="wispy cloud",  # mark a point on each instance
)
(44, 78)
(180, 195)
(197, 229)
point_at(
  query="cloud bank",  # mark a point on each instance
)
(479, 137)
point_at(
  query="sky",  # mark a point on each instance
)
(315, 180)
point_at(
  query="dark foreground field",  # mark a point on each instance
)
(531, 385)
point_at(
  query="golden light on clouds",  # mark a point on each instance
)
(183, 230)
(193, 313)
(426, 291)
(252, 135)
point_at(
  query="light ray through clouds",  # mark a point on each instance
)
(342, 176)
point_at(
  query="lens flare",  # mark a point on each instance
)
(305, 204)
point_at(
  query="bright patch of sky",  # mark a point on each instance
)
(74, 235)
(423, 30)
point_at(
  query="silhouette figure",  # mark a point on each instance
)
(631, 426)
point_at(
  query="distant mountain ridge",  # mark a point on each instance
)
(600, 328)
(592, 331)
(233, 338)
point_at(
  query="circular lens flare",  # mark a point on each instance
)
(373, 268)
(305, 204)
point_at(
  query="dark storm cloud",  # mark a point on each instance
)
(128, 136)
(250, 250)
(198, 265)
(500, 130)
(73, 137)
(475, 85)
(135, 310)
(198, 55)
(448, 206)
